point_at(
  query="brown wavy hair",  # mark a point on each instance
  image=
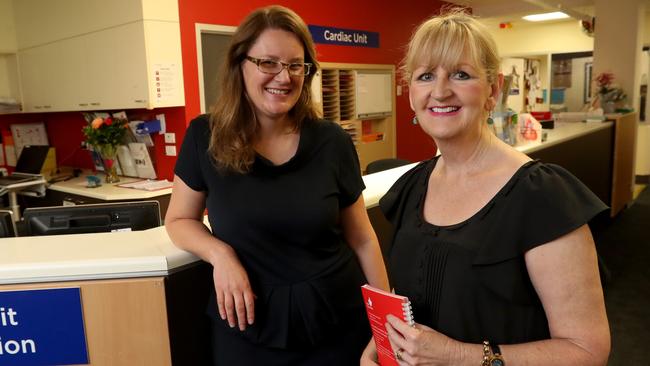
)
(232, 122)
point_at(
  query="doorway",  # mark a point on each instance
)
(212, 43)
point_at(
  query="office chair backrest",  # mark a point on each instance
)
(7, 226)
(385, 164)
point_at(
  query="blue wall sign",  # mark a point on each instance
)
(42, 327)
(344, 37)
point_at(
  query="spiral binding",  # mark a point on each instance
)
(408, 313)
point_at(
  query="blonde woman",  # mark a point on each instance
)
(493, 249)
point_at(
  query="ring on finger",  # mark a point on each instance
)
(398, 354)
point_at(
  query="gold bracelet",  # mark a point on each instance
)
(486, 354)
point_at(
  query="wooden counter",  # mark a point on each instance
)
(624, 160)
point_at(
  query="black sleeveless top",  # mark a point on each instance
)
(469, 280)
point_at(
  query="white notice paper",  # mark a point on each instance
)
(166, 82)
(142, 160)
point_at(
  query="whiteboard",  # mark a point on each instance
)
(373, 94)
(26, 134)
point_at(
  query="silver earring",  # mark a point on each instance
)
(414, 120)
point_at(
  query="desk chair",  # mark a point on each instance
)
(34, 187)
(385, 164)
(7, 227)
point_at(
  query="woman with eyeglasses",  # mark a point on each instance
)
(290, 240)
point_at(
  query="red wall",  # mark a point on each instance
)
(394, 24)
(64, 133)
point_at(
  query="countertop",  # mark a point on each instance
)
(90, 256)
(107, 191)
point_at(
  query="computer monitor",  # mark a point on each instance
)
(7, 227)
(92, 218)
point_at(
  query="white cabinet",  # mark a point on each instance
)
(116, 73)
(114, 67)
(110, 69)
(40, 71)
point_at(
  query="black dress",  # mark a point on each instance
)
(284, 224)
(469, 280)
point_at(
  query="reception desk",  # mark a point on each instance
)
(143, 298)
(134, 292)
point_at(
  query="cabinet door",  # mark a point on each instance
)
(117, 67)
(51, 76)
(70, 91)
(37, 78)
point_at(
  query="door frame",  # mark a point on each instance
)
(201, 28)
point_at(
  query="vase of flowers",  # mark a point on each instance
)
(105, 135)
(610, 95)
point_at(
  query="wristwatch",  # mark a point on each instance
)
(495, 359)
(492, 355)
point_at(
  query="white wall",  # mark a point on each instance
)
(559, 37)
(618, 44)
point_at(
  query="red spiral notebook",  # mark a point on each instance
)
(379, 304)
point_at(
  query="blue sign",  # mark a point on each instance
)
(42, 327)
(344, 37)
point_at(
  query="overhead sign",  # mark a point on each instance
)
(344, 37)
(42, 327)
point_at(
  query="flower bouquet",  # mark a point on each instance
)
(105, 135)
(610, 95)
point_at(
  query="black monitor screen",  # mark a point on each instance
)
(7, 228)
(92, 218)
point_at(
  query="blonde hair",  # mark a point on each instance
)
(232, 122)
(444, 39)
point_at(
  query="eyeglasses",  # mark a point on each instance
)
(274, 67)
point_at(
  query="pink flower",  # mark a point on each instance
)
(97, 123)
(604, 79)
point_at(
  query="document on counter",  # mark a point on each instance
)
(148, 184)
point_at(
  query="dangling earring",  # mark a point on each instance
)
(414, 121)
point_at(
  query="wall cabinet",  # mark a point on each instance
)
(111, 69)
(84, 58)
(343, 94)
